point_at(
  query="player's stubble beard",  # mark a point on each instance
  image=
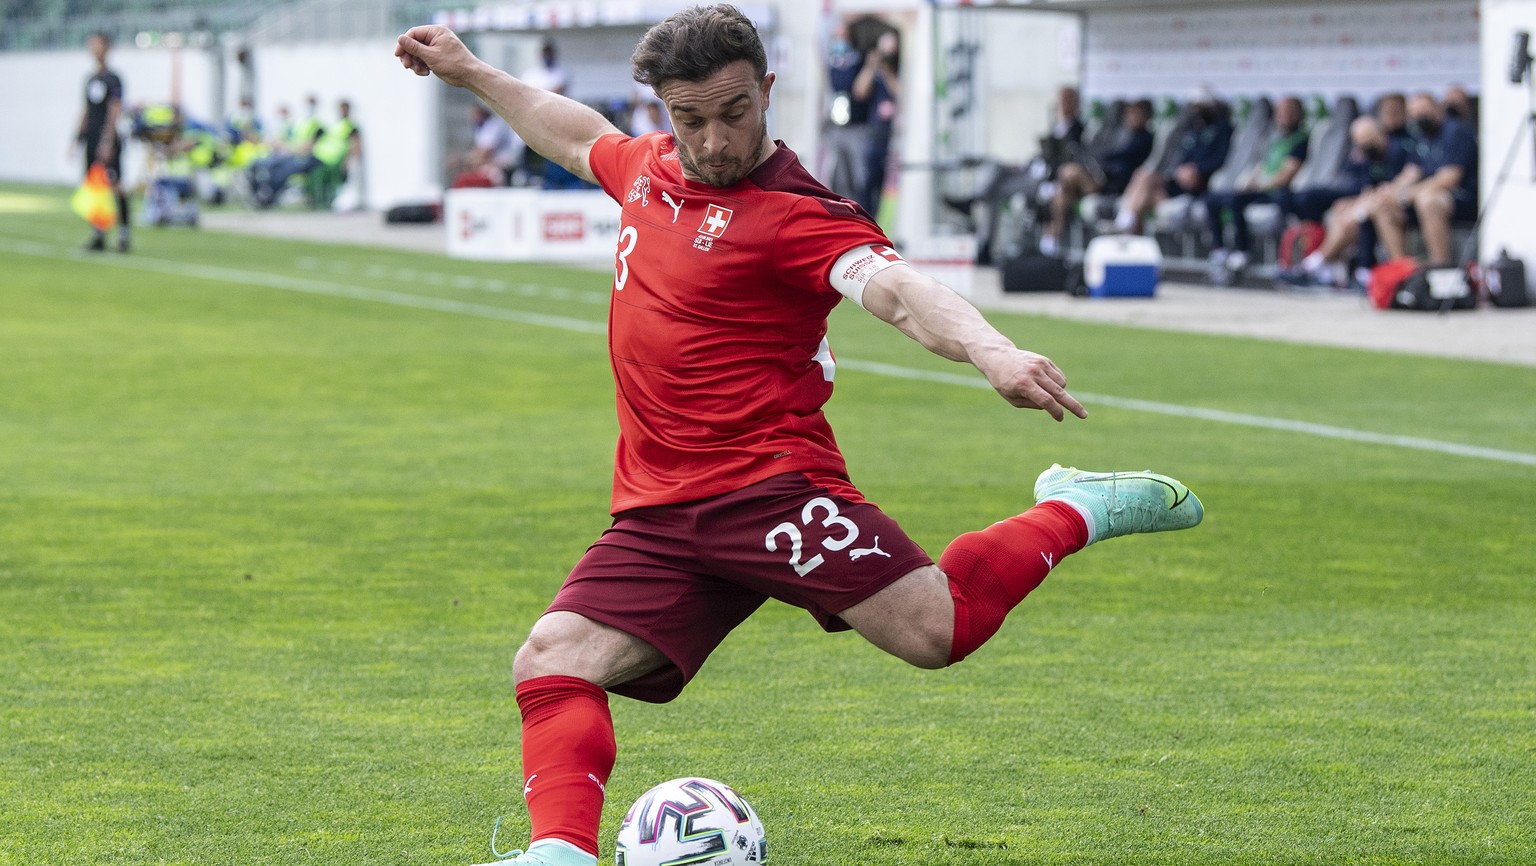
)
(733, 169)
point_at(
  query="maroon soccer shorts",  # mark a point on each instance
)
(680, 577)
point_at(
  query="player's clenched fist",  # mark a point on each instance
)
(434, 49)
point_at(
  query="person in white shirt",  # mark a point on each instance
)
(548, 74)
(496, 155)
(646, 113)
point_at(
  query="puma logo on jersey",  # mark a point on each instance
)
(528, 785)
(677, 205)
(1049, 564)
(860, 552)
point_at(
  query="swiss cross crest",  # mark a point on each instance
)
(716, 218)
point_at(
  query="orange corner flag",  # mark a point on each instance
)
(94, 201)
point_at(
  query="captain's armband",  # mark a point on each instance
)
(854, 269)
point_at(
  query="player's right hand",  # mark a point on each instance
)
(1030, 381)
(434, 49)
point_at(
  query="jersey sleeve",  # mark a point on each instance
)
(1461, 150)
(827, 246)
(607, 159)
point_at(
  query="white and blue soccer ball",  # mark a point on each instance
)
(691, 822)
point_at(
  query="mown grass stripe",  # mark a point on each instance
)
(585, 326)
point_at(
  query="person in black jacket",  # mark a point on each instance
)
(1374, 161)
(1107, 172)
(97, 134)
(1202, 151)
(1436, 184)
(1065, 138)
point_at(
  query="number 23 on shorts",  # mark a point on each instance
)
(820, 511)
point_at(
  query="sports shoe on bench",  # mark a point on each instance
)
(1121, 503)
(548, 852)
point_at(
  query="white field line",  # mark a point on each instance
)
(1220, 416)
(307, 286)
(443, 305)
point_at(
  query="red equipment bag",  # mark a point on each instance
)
(1387, 277)
(1298, 242)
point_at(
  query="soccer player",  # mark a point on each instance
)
(97, 135)
(728, 486)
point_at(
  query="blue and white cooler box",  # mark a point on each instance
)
(1122, 266)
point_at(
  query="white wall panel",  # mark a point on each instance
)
(1362, 48)
(1505, 108)
(396, 111)
(44, 93)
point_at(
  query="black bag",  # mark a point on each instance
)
(1036, 273)
(1436, 289)
(413, 213)
(1504, 278)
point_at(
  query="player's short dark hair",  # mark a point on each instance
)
(695, 43)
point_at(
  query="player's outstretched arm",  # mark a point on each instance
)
(557, 128)
(947, 325)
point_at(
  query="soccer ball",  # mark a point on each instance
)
(691, 821)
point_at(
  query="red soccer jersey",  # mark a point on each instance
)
(718, 322)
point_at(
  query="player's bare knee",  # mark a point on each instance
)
(568, 644)
(928, 644)
(1432, 204)
(935, 654)
(912, 619)
(920, 644)
(548, 649)
(532, 657)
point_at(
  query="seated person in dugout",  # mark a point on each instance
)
(494, 155)
(1108, 172)
(337, 147)
(1035, 182)
(1373, 159)
(1201, 152)
(1458, 104)
(1435, 184)
(1066, 132)
(1437, 187)
(1392, 111)
(1267, 182)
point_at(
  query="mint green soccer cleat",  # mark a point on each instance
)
(1121, 503)
(547, 852)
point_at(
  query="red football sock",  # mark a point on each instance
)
(568, 752)
(991, 571)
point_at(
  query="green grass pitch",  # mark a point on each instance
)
(274, 517)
